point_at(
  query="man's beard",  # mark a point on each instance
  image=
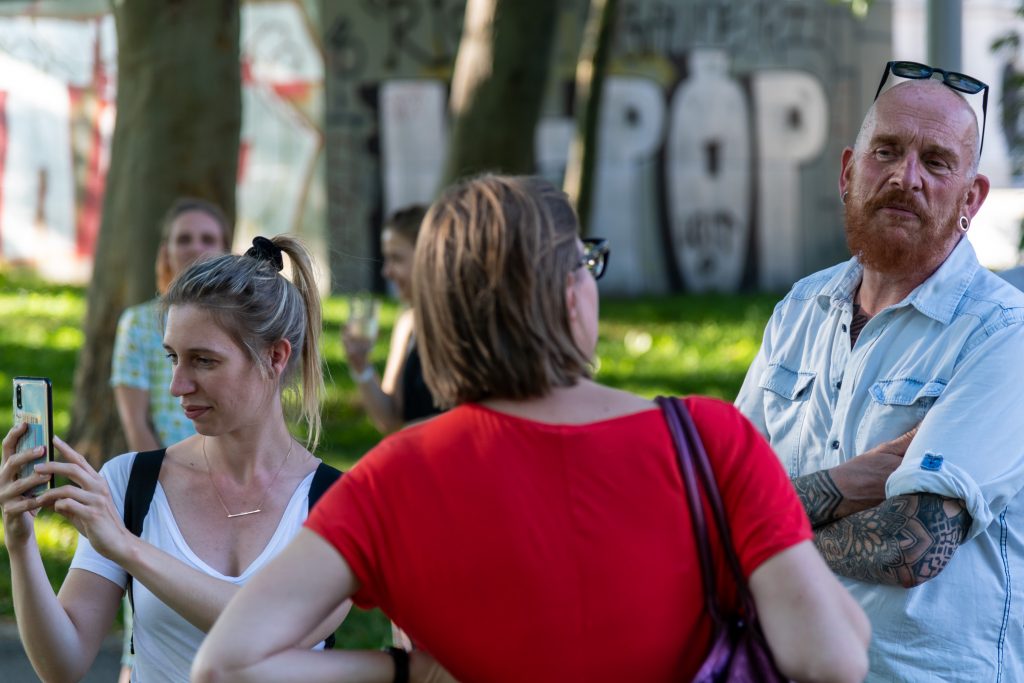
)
(896, 249)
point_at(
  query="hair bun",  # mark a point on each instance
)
(263, 249)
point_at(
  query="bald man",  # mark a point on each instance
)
(925, 528)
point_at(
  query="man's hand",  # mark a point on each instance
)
(857, 484)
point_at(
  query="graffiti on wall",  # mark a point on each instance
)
(702, 177)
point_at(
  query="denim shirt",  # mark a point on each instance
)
(950, 356)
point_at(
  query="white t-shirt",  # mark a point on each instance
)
(165, 643)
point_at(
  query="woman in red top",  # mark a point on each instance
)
(539, 530)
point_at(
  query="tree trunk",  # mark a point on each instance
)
(590, 72)
(498, 84)
(179, 117)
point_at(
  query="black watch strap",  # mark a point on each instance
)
(401, 659)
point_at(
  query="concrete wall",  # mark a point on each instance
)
(722, 126)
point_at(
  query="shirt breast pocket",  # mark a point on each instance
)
(896, 406)
(786, 393)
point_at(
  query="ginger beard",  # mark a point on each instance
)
(889, 243)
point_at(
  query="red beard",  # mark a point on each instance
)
(887, 244)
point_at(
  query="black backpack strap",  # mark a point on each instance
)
(324, 476)
(141, 486)
(137, 497)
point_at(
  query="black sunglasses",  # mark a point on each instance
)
(595, 256)
(953, 79)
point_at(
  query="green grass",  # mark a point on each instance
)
(651, 345)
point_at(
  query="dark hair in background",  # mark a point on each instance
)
(406, 222)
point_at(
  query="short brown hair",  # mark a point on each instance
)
(489, 278)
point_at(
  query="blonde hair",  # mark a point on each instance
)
(257, 306)
(490, 272)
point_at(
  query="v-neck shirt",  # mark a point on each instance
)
(165, 643)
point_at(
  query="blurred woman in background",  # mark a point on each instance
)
(140, 373)
(401, 396)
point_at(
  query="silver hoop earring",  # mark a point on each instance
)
(845, 195)
(964, 224)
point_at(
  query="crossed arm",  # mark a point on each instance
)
(900, 541)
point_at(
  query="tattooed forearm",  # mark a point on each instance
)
(905, 541)
(820, 497)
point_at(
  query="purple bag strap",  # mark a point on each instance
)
(693, 463)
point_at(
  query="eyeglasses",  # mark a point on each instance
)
(595, 256)
(956, 81)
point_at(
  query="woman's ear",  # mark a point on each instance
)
(280, 354)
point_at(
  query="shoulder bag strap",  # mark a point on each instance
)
(684, 460)
(707, 475)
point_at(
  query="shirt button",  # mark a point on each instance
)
(839, 385)
(835, 445)
(843, 327)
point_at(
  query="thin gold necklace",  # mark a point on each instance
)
(259, 508)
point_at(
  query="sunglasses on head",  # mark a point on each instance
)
(953, 79)
(595, 256)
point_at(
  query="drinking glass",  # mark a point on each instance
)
(362, 317)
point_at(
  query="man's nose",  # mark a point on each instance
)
(907, 175)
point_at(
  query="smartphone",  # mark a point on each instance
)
(33, 403)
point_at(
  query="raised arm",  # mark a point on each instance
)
(814, 628)
(905, 541)
(381, 399)
(197, 597)
(61, 636)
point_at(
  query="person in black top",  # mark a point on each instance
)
(401, 396)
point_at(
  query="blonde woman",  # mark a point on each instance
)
(226, 499)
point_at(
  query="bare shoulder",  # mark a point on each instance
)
(183, 465)
(623, 402)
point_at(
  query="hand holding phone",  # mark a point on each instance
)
(33, 405)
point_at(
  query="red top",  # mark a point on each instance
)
(518, 551)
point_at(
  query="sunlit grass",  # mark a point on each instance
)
(653, 345)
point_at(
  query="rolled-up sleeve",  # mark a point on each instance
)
(970, 445)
